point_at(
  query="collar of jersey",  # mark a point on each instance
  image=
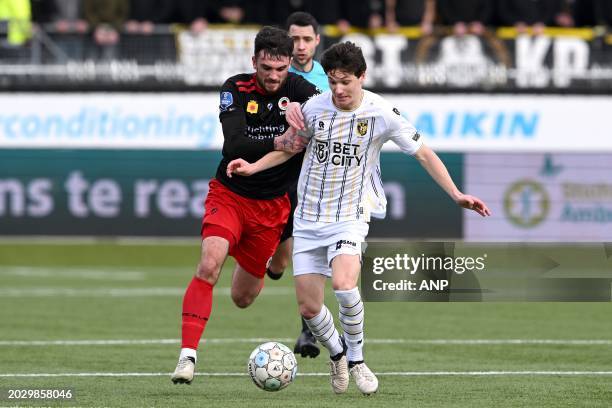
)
(258, 88)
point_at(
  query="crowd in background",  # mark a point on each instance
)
(107, 19)
(142, 15)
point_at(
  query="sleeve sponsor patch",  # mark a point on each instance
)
(416, 137)
(396, 111)
(226, 101)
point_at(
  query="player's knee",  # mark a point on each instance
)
(243, 300)
(208, 270)
(343, 283)
(279, 263)
(309, 310)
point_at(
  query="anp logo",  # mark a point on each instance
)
(526, 203)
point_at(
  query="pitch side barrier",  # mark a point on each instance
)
(174, 59)
(161, 193)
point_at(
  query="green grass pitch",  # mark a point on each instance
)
(102, 290)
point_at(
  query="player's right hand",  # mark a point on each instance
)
(294, 116)
(240, 167)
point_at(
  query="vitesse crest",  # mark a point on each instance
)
(362, 126)
(322, 151)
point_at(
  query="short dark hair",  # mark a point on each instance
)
(274, 42)
(345, 56)
(302, 19)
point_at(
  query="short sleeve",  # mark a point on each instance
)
(400, 131)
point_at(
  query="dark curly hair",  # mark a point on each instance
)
(345, 56)
(274, 42)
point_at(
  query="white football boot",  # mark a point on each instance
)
(365, 379)
(183, 374)
(339, 375)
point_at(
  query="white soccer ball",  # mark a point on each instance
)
(272, 366)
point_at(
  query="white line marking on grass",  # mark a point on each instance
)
(122, 292)
(384, 374)
(78, 273)
(467, 342)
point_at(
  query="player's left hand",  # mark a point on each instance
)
(240, 167)
(473, 203)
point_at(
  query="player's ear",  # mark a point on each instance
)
(254, 59)
(317, 40)
(362, 77)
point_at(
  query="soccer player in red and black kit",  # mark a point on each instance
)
(245, 216)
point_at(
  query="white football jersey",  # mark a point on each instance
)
(340, 179)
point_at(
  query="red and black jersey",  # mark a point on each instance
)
(251, 119)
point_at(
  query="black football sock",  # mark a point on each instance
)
(305, 326)
(352, 364)
(273, 275)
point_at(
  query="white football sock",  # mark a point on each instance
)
(351, 319)
(187, 352)
(322, 327)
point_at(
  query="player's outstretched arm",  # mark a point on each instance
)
(437, 170)
(244, 168)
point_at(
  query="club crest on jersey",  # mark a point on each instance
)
(321, 125)
(252, 107)
(322, 151)
(362, 126)
(283, 102)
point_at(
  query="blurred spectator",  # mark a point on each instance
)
(364, 14)
(273, 12)
(67, 19)
(16, 17)
(231, 11)
(106, 17)
(465, 16)
(565, 14)
(144, 14)
(195, 13)
(524, 13)
(68, 16)
(410, 13)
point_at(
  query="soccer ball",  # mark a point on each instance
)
(272, 366)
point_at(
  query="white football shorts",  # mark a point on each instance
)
(316, 244)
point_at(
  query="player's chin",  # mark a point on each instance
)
(271, 88)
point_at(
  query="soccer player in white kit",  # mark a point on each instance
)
(347, 128)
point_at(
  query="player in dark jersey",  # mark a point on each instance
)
(245, 216)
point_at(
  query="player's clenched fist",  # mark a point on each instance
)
(240, 167)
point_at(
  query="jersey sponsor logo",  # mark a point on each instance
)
(362, 126)
(345, 243)
(321, 125)
(322, 150)
(416, 137)
(270, 106)
(283, 103)
(339, 153)
(252, 107)
(226, 101)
